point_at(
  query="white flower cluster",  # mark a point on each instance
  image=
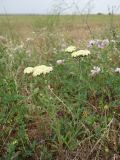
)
(28, 70)
(70, 49)
(80, 53)
(38, 70)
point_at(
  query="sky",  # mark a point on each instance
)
(58, 6)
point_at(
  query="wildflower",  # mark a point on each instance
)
(28, 70)
(117, 70)
(99, 43)
(95, 71)
(38, 70)
(91, 43)
(70, 49)
(80, 53)
(103, 44)
(60, 62)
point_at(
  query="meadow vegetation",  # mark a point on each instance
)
(70, 110)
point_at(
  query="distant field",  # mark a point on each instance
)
(71, 26)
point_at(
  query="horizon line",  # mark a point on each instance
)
(52, 14)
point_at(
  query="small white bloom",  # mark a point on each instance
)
(60, 62)
(70, 49)
(28, 70)
(95, 71)
(117, 70)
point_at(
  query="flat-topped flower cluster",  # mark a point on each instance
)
(38, 70)
(77, 53)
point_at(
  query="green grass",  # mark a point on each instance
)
(66, 114)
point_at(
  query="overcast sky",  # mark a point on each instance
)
(62, 6)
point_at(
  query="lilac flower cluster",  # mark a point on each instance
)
(99, 43)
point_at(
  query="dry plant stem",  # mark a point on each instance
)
(68, 108)
(102, 136)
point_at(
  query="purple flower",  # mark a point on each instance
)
(105, 42)
(91, 43)
(99, 43)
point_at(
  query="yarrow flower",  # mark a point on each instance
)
(38, 70)
(117, 70)
(28, 70)
(60, 62)
(95, 71)
(80, 53)
(70, 49)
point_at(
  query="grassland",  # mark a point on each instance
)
(67, 114)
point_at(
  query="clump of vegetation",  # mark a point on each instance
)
(67, 107)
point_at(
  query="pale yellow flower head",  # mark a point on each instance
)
(80, 53)
(70, 49)
(28, 70)
(38, 70)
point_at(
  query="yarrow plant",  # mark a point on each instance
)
(70, 49)
(80, 53)
(28, 70)
(38, 70)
